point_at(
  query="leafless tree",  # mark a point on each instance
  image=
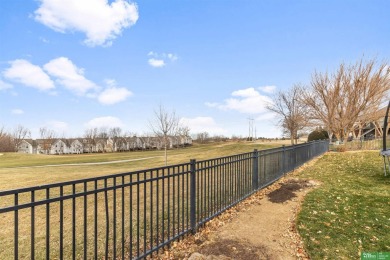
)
(102, 138)
(163, 125)
(291, 111)
(19, 134)
(48, 138)
(183, 132)
(354, 92)
(90, 137)
(203, 137)
(2, 132)
(6, 141)
(115, 133)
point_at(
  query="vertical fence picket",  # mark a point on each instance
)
(32, 256)
(95, 222)
(193, 196)
(85, 222)
(255, 170)
(47, 225)
(61, 223)
(16, 228)
(74, 222)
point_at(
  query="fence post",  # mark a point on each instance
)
(255, 170)
(193, 195)
(295, 157)
(283, 160)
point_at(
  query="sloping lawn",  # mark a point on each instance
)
(349, 213)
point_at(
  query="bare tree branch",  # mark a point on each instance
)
(351, 94)
(164, 125)
(48, 138)
(19, 134)
(291, 111)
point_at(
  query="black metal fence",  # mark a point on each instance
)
(359, 144)
(132, 215)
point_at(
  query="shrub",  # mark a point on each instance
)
(318, 135)
(341, 148)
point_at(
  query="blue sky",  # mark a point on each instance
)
(75, 64)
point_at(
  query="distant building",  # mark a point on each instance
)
(99, 145)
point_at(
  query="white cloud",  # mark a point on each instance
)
(160, 60)
(247, 101)
(110, 82)
(113, 95)
(266, 116)
(268, 89)
(106, 121)
(156, 63)
(245, 93)
(171, 56)
(28, 74)
(69, 76)
(202, 124)
(58, 126)
(5, 85)
(17, 111)
(212, 104)
(100, 20)
(44, 40)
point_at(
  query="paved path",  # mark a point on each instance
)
(85, 164)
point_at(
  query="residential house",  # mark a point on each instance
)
(371, 129)
(78, 146)
(59, 147)
(26, 146)
(75, 146)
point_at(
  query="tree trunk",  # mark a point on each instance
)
(165, 150)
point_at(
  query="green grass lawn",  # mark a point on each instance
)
(350, 212)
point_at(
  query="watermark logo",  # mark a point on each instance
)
(375, 256)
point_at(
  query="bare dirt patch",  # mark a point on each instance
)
(236, 249)
(260, 227)
(287, 190)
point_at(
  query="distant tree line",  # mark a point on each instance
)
(9, 141)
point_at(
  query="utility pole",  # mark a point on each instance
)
(250, 134)
(255, 133)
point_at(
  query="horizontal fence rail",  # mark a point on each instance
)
(132, 215)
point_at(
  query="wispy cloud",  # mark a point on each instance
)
(99, 20)
(267, 89)
(58, 126)
(28, 74)
(160, 60)
(5, 85)
(156, 63)
(202, 124)
(44, 40)
(17, 111)
(105, 121)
